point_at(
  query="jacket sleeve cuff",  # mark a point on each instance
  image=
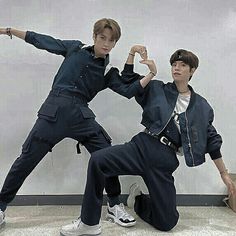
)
(29, 36)
(215, 154)
(140, 89)
(128, 68)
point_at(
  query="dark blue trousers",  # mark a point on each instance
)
(59, 117)
(144, 156)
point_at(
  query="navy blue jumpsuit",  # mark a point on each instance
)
(151, 157)
(65, 112)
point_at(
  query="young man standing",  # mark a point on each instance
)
(175, 118)
(65, 113)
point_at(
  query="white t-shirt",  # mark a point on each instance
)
(180, 107)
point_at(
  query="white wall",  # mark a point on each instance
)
(205, 27)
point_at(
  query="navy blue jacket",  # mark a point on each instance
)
(198, 135)
(81, 73)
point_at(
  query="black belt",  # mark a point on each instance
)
(163, 139)
(69, 94)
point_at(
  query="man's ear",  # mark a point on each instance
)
(94, 37)
(192, 71)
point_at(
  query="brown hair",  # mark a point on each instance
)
(104, 23)
(186, 56)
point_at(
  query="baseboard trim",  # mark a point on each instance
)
(182, 200)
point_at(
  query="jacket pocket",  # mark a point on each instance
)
(87, 113)
(48, 112)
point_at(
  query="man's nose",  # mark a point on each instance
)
(176, 67)
(106, 43)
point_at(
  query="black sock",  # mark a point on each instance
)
(113, 201)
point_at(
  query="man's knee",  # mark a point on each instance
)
(100, 160)
(96, 158)
(166, 225)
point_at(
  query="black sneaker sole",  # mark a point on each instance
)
(113, 219)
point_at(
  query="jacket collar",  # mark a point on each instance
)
(192, 97)
(90, 49)
(172, 94)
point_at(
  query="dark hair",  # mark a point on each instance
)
(104, 23)
(186, 56)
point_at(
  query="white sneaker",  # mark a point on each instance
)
(134, 191)
(2, 218)
(78, 228)
(120, 216)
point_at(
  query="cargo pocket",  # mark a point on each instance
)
(48, 112)
(87, 113)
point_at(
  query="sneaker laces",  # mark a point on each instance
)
(122, 212)
(77, 222)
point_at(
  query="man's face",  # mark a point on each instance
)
(103, 43)
(181, 71)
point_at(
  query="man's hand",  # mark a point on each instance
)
(229, 183)
(153, 71)
(151, 65)
(141, 50)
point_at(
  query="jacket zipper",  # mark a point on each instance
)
(167, 122)
(189, 144)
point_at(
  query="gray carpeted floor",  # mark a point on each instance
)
(47, 220)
